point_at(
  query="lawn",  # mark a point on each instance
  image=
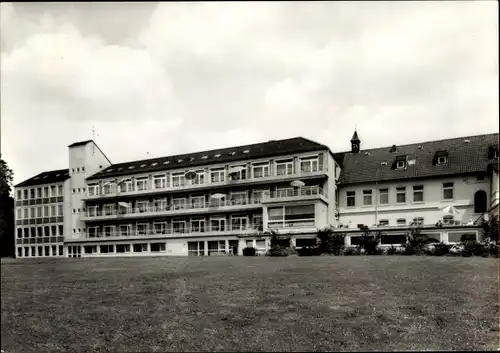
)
(250, 304)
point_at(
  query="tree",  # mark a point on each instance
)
(369, 241)
(330, 242)
(6, 210)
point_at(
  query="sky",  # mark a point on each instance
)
(156, 79)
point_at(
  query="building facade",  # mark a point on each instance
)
(214, 202)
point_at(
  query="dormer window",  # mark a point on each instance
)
(246, 151)
(143, 165)
(154, 164)
(441, 157)
(217, 155)
(204, 157)
(166, 162)
(232, 153)
(400, 162)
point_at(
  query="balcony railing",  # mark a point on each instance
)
(113, 190)
(295, 192)
(125, 211)
(180, 231)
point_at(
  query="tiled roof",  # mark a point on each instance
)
(81, 143)
(54, 176)
(470, 154)
(223, 155)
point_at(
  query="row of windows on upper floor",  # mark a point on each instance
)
(215, 175)
(77, 169)
(40, 211)
(45, 231)
(40, 192)
(480, 198)
(401, 222)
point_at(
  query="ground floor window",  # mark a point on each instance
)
(457, 237)
(216, 247)
(33, 251)
(26, 252)
(122, 248)
(61, 250)
(40, 251)
(140, 247)
(388, 239)
(90, 249)
(158, 247)
(106, 249)
(47, 251)
(301, 242)
(19, 252)
(54, 250)
(196, 248)
(260, 244)
(73, 251)
(356, 239)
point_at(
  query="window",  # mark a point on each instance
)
(27, 232)
(216, 247)
(457, 237)
(93, 189)
(19, 195)
(257, 222)
(90, 249)
(160, 181)
(53, 191)
(367, 197)
(401, 222)
(93, 211)
(160, 227)
(260, 244)
(178, 179)
(448, 191)
(46, 231)
(179, 226)
(93, 232)
(33, 232)
(238, 172)
(26, 251)
(383, 223)
(46, 191)
(25, 211)
(60, 210)
(106, 249)
(46, 211)
(197, 224)
(383, 196)
(142, 228)
(291, 216)
(258, 195)
(25, 194)
(59, 190)
(218, 224)
(157, 247)
(126, 186)
(448, 220)
(308, 165)
(261, 170)
(197, 201)
(419, 221)
(442, 160)
(61, 230)
(106, 188)
(125, 230)
(217, 175)
(284, 167)
(284, 192)
(140, 247)
(249, 244)
(400, 163)
(239, 198)
(388, 239)
(39, 193)
(178, 203)
(418, 193)
(19, 213)
(299, 243)
(160, 205)
(401, 194)
(141, 184)
(61, 250)
(32, 193)
(238, 222)
(142, 206)
(19, 232)
(199, 178)
(480, 202)
(122, 248)
(108, 209)
(196, 248)
(109, 231)
(356, 240)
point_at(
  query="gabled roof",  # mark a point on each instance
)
(54, 176)
(222, 155)
(81, 143)
(465, 155)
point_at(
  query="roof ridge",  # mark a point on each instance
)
(423, 142)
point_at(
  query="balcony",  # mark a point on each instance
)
(295, 194)
(169, 232)
(172, 210)
(194, 186)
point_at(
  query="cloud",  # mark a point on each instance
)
(178, 77)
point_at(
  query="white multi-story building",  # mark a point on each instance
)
(212, 202)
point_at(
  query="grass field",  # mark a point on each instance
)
(250, 304)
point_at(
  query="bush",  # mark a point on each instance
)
(352, 251)
(392, 250)
(330, 242)
(249, 251)
(309, 251)
(441, 249)
(278, 251)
